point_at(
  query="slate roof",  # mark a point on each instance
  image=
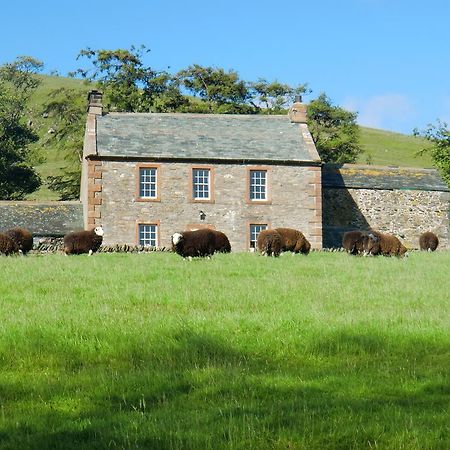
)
(381, 177)
(42, 219)
(203, 136)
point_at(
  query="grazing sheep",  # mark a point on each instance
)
(83, 241)
(353, 241)
(269, 243)
(7, 245)
(22, 237)
(203, 242)
(428, 241)
(293, 241)
(376, 243)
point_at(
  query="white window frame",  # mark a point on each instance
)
(258, 189)
(201, 184)
(254, 233)
(148, 189)
(148, 234)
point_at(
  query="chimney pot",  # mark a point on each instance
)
(95, 105)
(297, 112)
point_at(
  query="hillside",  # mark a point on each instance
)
(392, 149)
(381, 147)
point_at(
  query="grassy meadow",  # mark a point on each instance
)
(326, 351)
(386, 148)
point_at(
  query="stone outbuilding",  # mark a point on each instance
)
(399, 200)
(148, 175)
(44, 219)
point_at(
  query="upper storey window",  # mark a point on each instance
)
(202, 184)
(258, 185)
(148, 182)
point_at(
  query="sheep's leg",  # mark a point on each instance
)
(90, 252)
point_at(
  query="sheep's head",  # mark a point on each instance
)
(98, 231)
(371, 244)
(403, 251)
(176, 239)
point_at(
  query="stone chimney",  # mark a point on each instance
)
(95, 102)
(297, 112)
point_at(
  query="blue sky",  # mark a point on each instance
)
(387, 59)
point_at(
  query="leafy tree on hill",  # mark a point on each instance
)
(67, 107)
(334, 131)
(17, 82)
(274, 96)
(219, 91)
(127, 84)
(439, 137)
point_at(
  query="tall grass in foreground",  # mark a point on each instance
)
(151, 351)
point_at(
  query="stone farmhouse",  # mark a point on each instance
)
(146, 176)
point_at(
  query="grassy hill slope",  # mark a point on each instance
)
(380, 147)
(393, 149)
(49, 161)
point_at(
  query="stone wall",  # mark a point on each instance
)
(295, 202)
(42, 218)
(418, 201)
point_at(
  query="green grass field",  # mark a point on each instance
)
(326, 351)
(386, 148)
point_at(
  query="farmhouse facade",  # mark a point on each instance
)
(148, 175)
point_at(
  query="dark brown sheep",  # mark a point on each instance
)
(293, 241)
(353, 241)
(269, 243)
(83, 241)
(376, 243)
(203, 242)
(22, 237)
(7, 245)
(428, 241)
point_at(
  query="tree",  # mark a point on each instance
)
(162, 94)
(127, 84)
(276, 97)
(17, 82)
(67, 107)
(334, 131)
(439, 137)
(220, 91)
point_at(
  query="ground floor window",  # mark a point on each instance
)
(255, 229)
(148, 234)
